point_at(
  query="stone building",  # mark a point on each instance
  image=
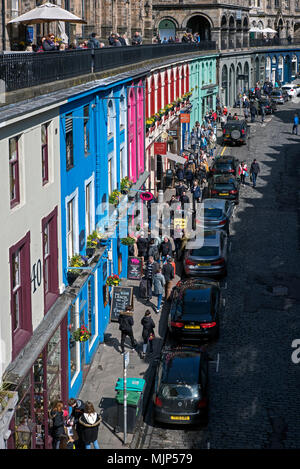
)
(281, 15)
(226, 22)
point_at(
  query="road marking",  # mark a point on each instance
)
(223, 151)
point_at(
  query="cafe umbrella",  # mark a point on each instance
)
(47, 13)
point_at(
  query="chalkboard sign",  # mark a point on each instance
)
(135, 268)
(121, 297)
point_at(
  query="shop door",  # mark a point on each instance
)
(82, 344)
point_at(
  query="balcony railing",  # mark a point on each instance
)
(24, 70)
(276, 41)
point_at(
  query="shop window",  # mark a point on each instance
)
(20, 293)
(110, 119)
(50, 259)
(122, 112)
(45, 153)
(69, 142)
(14, 179)
(89, 207)
(71, 231)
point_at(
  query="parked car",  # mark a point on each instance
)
(181, 386)
(235, 132)
(279, 96)
(269, 105)
(224, 187)
(195, 309)
(214, 214)
(224, 165)
(209, 258)
(291, 90)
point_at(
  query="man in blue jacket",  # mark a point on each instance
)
(296, 123)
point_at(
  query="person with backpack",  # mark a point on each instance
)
(90, 422)
(189, 176)
(93, 42)
(148, 332)
(159, 284)
(126, 322)
(165, 248)
(153, 250)
(169, 274)
(77, 406)
(56, 415)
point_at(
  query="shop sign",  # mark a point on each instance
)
(185, 118)
(172, 133)
(135, 268)
(121, 298)
(146, 196)
(160, 148)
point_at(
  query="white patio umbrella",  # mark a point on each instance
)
(269, 31)
(255, 30)
(45, 14)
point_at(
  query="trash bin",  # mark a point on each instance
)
(169, 178)
(135, 388)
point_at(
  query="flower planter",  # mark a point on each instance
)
(90, 252)
(71, 277)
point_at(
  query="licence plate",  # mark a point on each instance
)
(192, 327)
(205, 264)
(175, 417)
(223, 193)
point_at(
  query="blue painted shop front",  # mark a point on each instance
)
(282, 66)
(93, 139)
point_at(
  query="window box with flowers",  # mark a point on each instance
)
(114, 197)
(76, 261)
(113, 281)
(125, 185)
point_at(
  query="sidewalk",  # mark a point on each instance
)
(107, 367)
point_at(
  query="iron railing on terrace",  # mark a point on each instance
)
(276, 41)
(24, 70)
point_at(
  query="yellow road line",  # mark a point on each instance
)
(223, 151)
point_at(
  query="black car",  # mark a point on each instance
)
(268, 104)
(224, 187)
(235, 131)
(224, 165)
(181, 386)
(194, 311)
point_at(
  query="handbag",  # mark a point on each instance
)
(246, 174)
(151, 336)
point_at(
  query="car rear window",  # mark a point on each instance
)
(232, 127)
(225, 186)
(212, 213)
(223, 165)
(205, 251)
(180, 391)
(276, 93)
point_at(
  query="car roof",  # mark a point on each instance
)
(212, 238)
(223, 178)
(181, 366)
(225, 159)
(190, 282)
(214, 203)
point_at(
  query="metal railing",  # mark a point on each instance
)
(24, 70)
(276, 41)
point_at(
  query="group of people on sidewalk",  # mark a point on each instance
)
(79, 430)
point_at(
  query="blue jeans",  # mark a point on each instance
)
(159, 300)
(95, 443)
(254, 176)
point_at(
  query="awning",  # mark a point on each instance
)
(176, 158)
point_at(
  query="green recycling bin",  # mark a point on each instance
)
(135, 388)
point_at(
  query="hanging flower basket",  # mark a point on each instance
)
(128, 241)
(82, 334)
(114, 197)
(113, 280)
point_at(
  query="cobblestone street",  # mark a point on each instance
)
(254, 385)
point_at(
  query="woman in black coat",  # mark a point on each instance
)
(58, 423)
(90, 422)
(148, 332)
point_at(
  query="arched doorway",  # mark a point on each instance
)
(166, 29)
(297, 30)
(294, 66)
(256, 72)
(239, 80)
(232, 32)
(262, 71)
(245, 32)
(224, 33)
(280, 75)
(224, 81)
(280, 28)
(200, 24)
(268, 68)
(246, 76)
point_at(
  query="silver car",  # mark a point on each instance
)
(214, 214)
(210, 258)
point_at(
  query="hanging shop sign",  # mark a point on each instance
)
(160, 148)
(185, 118)
(146, 196)
(135, 268)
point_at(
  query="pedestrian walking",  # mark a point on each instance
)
(184, 199)
(197, 193)
(142, 245)
(153, 250)
(253, 112)
(126, 322)
(159, 284)
(165, 248)
(148, 332)
(90, 422)
(77, 406)
(180, 173)
(180, 189)
(189, 176)
(93, 42)
(254, 170)
(263, 112)
(296, 123)
(151, 270)
(57, 427)
(169, 274)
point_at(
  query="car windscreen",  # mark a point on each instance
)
(229, 127)
(223, 166)
(182, 367)
(226, 186)
(205, 251)
(180, 391)
(212, 213)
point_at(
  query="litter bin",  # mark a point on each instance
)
(135, 388)
(169, 178)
